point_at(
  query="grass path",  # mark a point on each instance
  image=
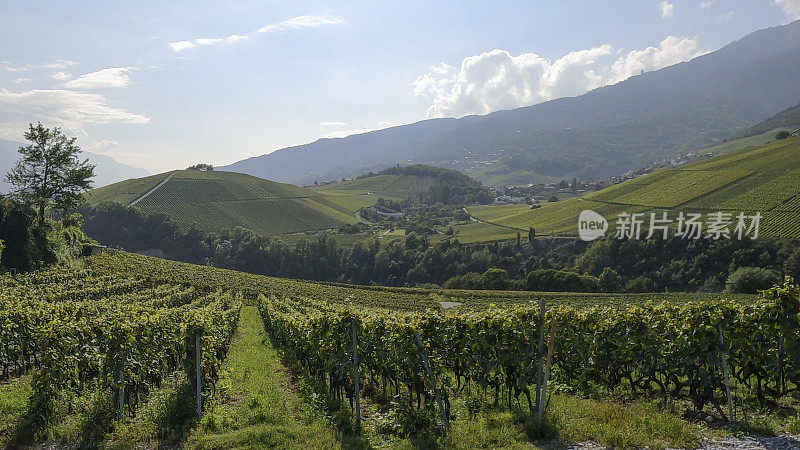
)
(256, 407)
(13, 402)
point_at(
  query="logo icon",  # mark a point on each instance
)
(591, 225)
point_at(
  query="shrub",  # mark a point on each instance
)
(496, 279)
(783, 134)
(470, 280)
(750, 280)
(561, 281)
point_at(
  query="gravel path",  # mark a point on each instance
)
(787, 442)
(754, 443)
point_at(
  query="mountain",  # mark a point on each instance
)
(749, 179)
(604, 132)
(788, 118)
(107, 170)
(216, 200)
(328, 159)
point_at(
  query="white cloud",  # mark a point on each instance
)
(228, 40)
(667, 9)
(300, 22)
(345, 133)
(11, 68)
(105, 146)
(181, 45)
(706, 4)
(792, 7)
(332, 124)
(58, 107)
(497, 80)
(104, 78)
(60, 64)
(671, 50)
(350, 132)
(727, 16)
(20, 80)
(295, 23)
(61, 76)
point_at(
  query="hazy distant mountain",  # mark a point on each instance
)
(107, 171)
(604, 132)
(788, 118)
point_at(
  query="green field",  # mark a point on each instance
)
(361, 192)
(217, 200)
(743, 179)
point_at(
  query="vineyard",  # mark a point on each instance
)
(698, 351)
(123, 323)
(746, 180)
(78, 331)
(214, 200)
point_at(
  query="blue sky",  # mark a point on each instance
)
(162, 85)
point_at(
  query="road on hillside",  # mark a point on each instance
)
(152, 190)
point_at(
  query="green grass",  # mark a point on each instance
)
(257, 405)
(360, 192)
(13, 405)
(164, 420)
(621, 425)
(574, 419)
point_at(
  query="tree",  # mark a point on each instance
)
(496, 279)
(50, 172)
(783, 134)
(750, 280)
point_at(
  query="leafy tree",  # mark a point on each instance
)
(609, 280)
(50, 172)
(201, 166)
(783, 134)
(496, 279)
(750, 280)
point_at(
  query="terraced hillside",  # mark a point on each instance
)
(218, 200)
(753, 179)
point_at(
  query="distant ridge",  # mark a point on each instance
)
(788, 118)
(609, 130)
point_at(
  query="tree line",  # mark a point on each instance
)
(543, 264)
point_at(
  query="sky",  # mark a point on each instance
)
(163, 85)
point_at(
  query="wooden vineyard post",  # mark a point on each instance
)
(198, 374)
(357, 387)
(723, 356)
(432, 379)
(540, 356)
(121, 406)
(546, 375)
